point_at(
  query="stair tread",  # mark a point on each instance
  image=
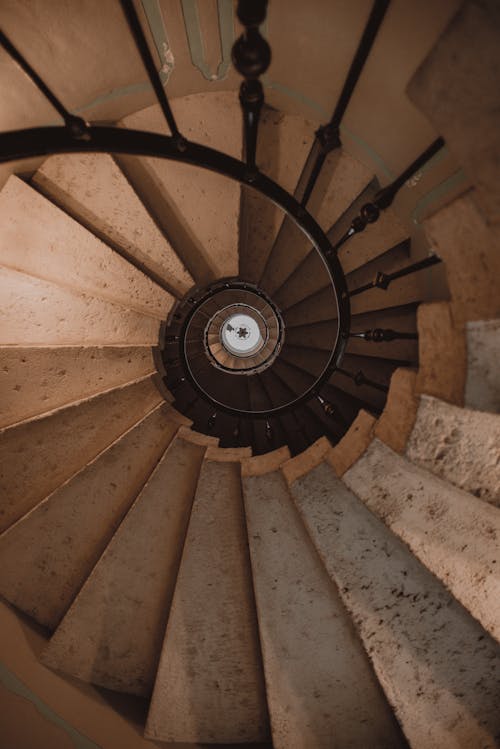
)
(482, 387)
(92, 188)
(131, 587)
(49, 553)
(318, 678)
(38, 380)
(420, 640)
(39, 455)
(41, 240)
(209, 686)
(28, 316)
(206, 203)
(452, 532)
(458, 445)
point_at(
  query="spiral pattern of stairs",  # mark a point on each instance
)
(319, 576)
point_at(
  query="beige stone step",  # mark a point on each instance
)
(459, 445)
(321, 689)
(344, 178)
(210, 686)
(36, 380)
(113, 632)
(36, 312)
(48, 554)
(92, 188)
(41, 240)
(452, 532)
(482, 387)
(436, 664)
(39, 455)
(279, 135)
(205, 204)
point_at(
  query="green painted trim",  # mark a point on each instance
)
(156, 24)
(14, 685)
(116, 93)
(435, 194)
(225, 14)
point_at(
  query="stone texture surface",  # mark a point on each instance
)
(452, 532)
(207, 203)
(321, 690)
(35, 312)
(442, 354)
(47, 556)
(436, 664)
(353, 444)
(36, 380)
(228, 454)
(41, 240)
(364, 247)
(210, 686)
(39, 455)
(306, 460)
(279, 135)
(398, 417)
(459, 445)
(482, 387)
(457, 89)
(113, 632)
(92, 188)
(471, 251)
(261, 464)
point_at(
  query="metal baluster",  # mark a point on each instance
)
(76, 125)
(359, 379)
(381, 335)
(153, 75)
(383, 280)
(251, 56)
(370, 212)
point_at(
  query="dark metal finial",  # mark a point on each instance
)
(269, 431)
(211, 421)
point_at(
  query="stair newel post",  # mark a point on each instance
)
(251, 56)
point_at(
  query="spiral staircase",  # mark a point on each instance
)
(249, 437)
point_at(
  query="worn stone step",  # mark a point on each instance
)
(203, 206)
(210, 686)
(38, 455)
(37, 380)
(41, 240)
(437, 665)
(459, 445)
(36, 312)
(482, 386)
(92, 189)
(113, 632)
(48, 554)
(452, 532)
(321, 689)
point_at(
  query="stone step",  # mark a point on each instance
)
(92, 189)
(42, 241)
(113, 632)
(260, 219)
(48, 554)
(459, 445)
(205, 205)
(38, 455)
(482, 386)
(321, 689)
(452, 532)
(37, 312)
(38, 380)
(210, 686)
(437, 665)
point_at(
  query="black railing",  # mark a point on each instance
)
(251, 56)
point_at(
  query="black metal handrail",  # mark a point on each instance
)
(251, 55)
